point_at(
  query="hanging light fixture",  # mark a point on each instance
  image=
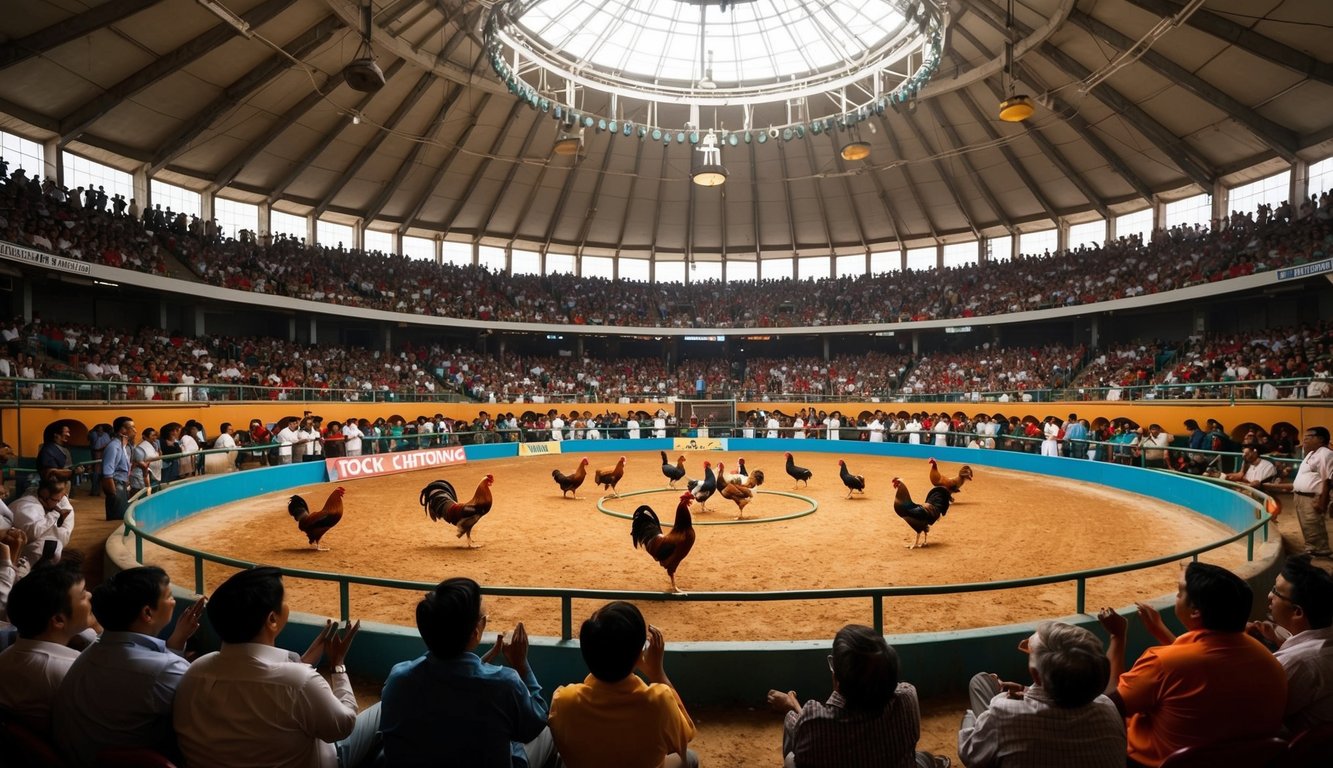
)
(1015, 108)
(857, 148)
(707, 169)
(569, 144)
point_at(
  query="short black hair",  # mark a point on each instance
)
(1073, 667)
(1311, 589)
(448, 614)
(120, 423)
(119, 600)
(53, 429)
(52, 484)
(240, 605)
(612, 639)
(225, 426)
(1191, 424)
(42, 595)
(866, 668)
(1320, 433)
(1222, 598)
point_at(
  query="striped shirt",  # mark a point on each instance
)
(829, 735)
(1031, 732)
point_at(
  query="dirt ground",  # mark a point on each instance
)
(1004, 524)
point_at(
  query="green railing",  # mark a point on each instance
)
(566, 596)
(39, 391)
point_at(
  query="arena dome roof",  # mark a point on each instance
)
(1136, 100)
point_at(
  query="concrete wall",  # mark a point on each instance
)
(936, 662)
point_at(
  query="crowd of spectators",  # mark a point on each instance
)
(1292, 352)
(988, 368)
(79, 224)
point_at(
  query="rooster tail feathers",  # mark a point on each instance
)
(437, 486)
(939, 498)
(297, 507)
(665, 460)
(645, 526)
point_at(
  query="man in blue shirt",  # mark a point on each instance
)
(129, 659)
(451, 708)
(1076, 435)
(116, 468)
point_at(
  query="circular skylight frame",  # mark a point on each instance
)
(921, 31)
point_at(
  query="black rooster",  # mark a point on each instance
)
(799, 474)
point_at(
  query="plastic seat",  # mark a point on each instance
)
(26, 748)
(1251, 753)
(1311, 747)
(132, 757)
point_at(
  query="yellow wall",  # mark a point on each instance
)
(22, 427)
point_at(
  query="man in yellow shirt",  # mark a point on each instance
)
(613, 719)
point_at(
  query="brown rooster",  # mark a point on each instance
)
(669, 548)
(609, 477)
(571, 483)
(954, 484)
(315, 525)
(920, 516)
(756, 479)
(441, 502)
(729, 488)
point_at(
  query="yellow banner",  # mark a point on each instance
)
(539, 449)
(699, 444)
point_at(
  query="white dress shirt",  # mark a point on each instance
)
(250, 706)
(1315, 470)
(30, 675)
(40, 525)
(1307, 658)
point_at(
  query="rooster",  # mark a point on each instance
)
(739, 477)
(673, 472)
(954, 484)
(609, 477)
(729, 488)
(799, 474)
(853, 482)
(920, 516)
(315, 525)
(440, 501)
(703, 490)
(756, 479)
(571, 483)
(669, 548)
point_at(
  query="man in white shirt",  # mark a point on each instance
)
(250, 705)
(1300, 609)
(227, 441)
(287, 437)
(557, 426)
(1255, 470)
(310, 435)
(352, 434)
(913, 430)
(631, 428)
(45, 516)
(773, 426)
(659, 424)
(876, 428)
(49, 607)
(797, 427)
(1311, 490)
(941, 429)
(834, 426)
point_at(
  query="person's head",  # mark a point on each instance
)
(1302, 597)
(864, 667)
(50, 603)
(1191, 424)
(1314, 438)
(1250, 454)
(1211, 597)
(51, 491)
(1068, 662)
(135, 600)
(226, 428)
(149, 435)
(57, 433)
(1154, 429)
(450, 617)
(123, 427)
(249, 607)
(611, 640)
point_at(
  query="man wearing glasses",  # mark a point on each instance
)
(1300, 628)
(1310, 488)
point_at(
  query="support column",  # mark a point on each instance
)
(1014, 245)
(309, 229)
(500, 353)
(27, 300)
(162, 315)
(199, 322)
(1110, 228)
(291, 328)
(1061, 235)
(1096, 332)
(143, 190)
(826, 349)
(264, 224)
(1300, 185)
(388, 339)
(916, 343)
(314, 334)
(1158, 217)
(1221, 197)
(51, 161)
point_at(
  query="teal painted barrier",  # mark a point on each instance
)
(937, 662)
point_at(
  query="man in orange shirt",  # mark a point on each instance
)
(1211, 685)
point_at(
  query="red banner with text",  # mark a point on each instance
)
(373, 465)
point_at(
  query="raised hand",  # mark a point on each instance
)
(337, 643)
(516, 650)
(187, 625)
(1152, 621)
(315, 652)
(1114, 623)
(784, 702)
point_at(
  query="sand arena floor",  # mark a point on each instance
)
(1002, 525)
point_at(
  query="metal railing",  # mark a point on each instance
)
(20, 391)
(566, 596)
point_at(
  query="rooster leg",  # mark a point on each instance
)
(315, 545)
(849, 493)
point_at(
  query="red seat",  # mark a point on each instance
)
(27, 747)
(1311, 747)
(1252, 753)
(132, 757)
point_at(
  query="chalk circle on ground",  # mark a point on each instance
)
(814, 505)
